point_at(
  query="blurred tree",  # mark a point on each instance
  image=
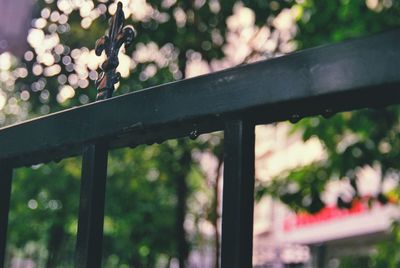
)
(352, 140)
(148, 187)
(43, 212)
(355, 140)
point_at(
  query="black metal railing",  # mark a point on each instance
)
(346, 76)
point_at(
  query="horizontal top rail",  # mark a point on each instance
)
(354, 74)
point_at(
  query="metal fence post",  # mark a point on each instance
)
(238, 195)
(5, 194)
(91, 207)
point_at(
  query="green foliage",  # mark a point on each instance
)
(388, 255)
(149, 187)
(302, 191)
(140, 222)
(326, 22)
(140, 215)
(43, 212)
(352, 140)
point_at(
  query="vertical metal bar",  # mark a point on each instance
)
(238, 195)
(319, 253)
(5, 194)
(89, 242)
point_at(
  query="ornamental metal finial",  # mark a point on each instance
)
(111, 43)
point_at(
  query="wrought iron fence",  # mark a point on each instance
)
(354, 74)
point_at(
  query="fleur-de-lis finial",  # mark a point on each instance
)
(111, 43)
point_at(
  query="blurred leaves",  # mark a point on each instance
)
(388, 255)
(141, 190)
(352, 140)
(355, 139)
